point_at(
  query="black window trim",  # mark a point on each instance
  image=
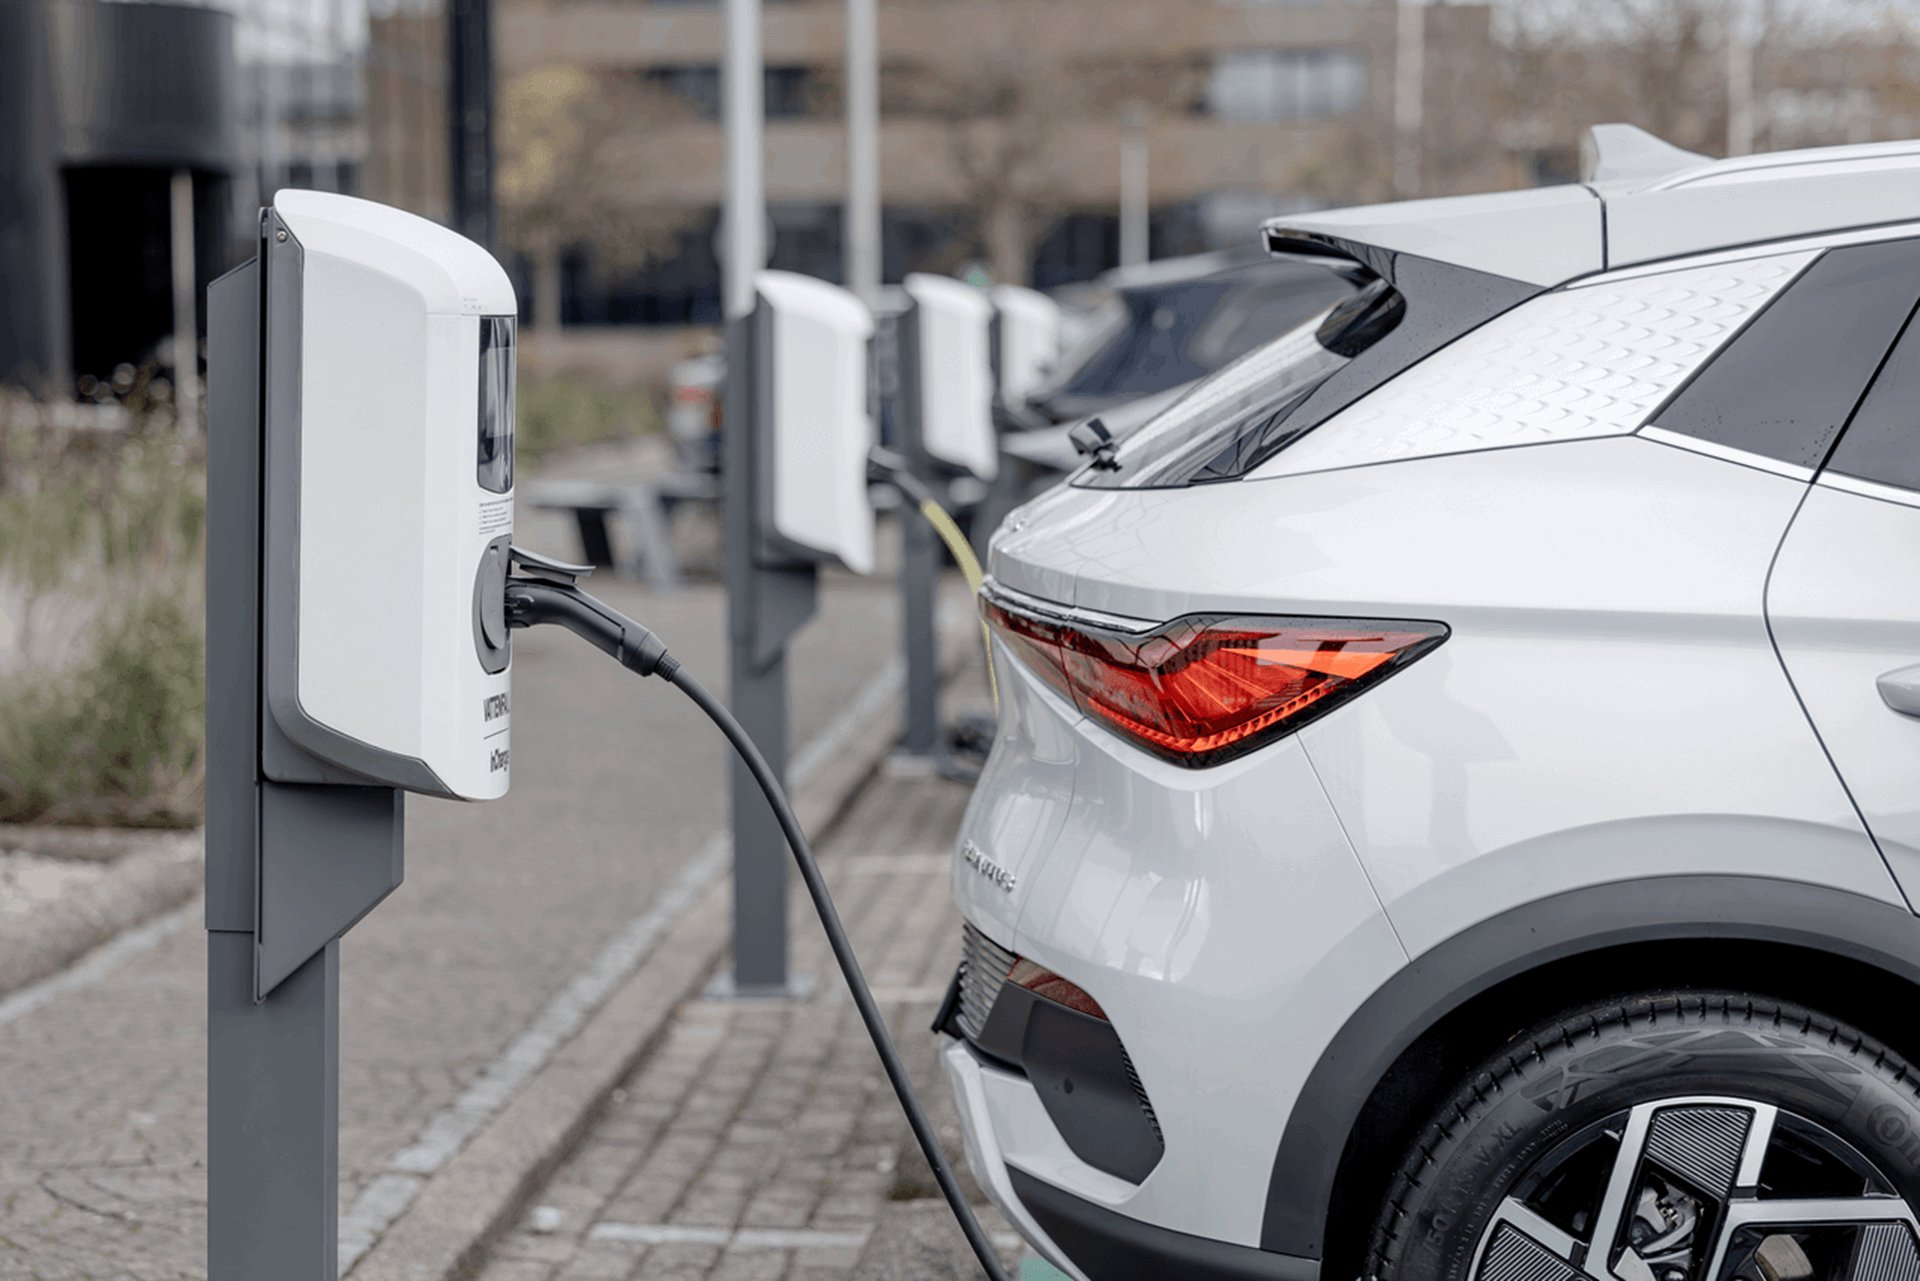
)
(1804, 472)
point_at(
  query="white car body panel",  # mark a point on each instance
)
(981, 1126)
(1642, 561)
(1162, 901)
(1844, 603)
(1717, 208)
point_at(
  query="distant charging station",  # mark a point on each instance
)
(1026, 342)
(946, 433)
(1026, 347)
(794, 471)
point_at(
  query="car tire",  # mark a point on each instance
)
(1622, 1121)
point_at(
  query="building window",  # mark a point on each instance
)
(1263, 86)
(789, 92)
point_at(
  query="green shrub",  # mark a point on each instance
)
(103, 703)
(558, 412)
(118, 739)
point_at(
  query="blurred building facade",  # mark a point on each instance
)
(117, 150)
(104, 104)
(1001, 131)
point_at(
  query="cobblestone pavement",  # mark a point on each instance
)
(617, 785)
(760, 1141)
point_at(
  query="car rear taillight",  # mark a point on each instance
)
(1199, 691)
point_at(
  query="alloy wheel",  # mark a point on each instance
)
(1701, 1188)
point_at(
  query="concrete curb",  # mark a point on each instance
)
(451, 1221)
(158, 872)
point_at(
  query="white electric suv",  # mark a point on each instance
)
(1456, 807)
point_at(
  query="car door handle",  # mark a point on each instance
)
(1900, 689)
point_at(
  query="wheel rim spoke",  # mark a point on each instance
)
(1682, 1199)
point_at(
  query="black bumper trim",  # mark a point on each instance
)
(1109, 1246)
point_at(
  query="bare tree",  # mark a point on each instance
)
(1000, 119)
(570, 172)
(1822, 71)
(1659, 64)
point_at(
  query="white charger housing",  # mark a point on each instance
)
(811, 339)
(1027, 340)
(389, 382)
(954, 366)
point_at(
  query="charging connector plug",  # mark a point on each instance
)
(531, 602)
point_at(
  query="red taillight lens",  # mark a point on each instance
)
(1201, 690)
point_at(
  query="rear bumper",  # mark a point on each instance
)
(1107, 1244)
(1087, 1241)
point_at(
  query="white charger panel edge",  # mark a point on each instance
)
(1029, 339)
(955, 373)
(389, 474)
(815, 337)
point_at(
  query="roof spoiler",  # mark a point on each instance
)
(1344, 258)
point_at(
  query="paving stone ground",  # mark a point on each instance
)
(618, 783)
(760, 1140)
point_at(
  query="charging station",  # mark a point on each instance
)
(1027, 331)
(946, 434)
(360, 511)
(794, 473)
(1026, 343)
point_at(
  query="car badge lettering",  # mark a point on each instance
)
(986, 867)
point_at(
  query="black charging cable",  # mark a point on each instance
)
(531, 602)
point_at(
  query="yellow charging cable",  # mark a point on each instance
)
(956, 542)
(895, 470)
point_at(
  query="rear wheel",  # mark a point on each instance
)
(1704, 1137)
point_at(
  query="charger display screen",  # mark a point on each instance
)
(496, 403)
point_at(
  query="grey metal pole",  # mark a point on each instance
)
(863, 152)
(1739, 86)
(186, 322)
(272, 1065)
(1133, 188)
(919, 562)
(746, 198)
(757, 669)
(470, 118)
(1409, 96)
(290, 867)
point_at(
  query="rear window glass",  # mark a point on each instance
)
(1236, 419)
(1882, 443)
(1253, 393)
(1149, 352)
(1784, 387)
(1262, 313)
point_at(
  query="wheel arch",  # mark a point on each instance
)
(1399, 1055)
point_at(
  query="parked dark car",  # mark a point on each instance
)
(1162, 334)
